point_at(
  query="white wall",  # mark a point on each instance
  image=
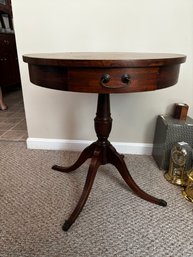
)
(102, 25)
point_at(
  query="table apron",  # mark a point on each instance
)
(89, 80)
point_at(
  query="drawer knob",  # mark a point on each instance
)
(105, 79)
(125, 79)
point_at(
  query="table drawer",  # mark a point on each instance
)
(113, 80)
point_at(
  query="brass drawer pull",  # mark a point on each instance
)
(106, 78)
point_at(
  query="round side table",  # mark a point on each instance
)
(104, 74)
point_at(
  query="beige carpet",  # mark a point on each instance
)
(35, 201)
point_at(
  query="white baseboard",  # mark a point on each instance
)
(79, 145)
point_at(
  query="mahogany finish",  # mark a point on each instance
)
(82, 72)
(103, 73)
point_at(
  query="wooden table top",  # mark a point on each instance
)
(104, 59)
(104, 72)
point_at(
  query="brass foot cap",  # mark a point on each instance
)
(162, 203)
(66, 225)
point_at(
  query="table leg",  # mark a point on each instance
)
(95, 163)
(86, 154)
(117, 160)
